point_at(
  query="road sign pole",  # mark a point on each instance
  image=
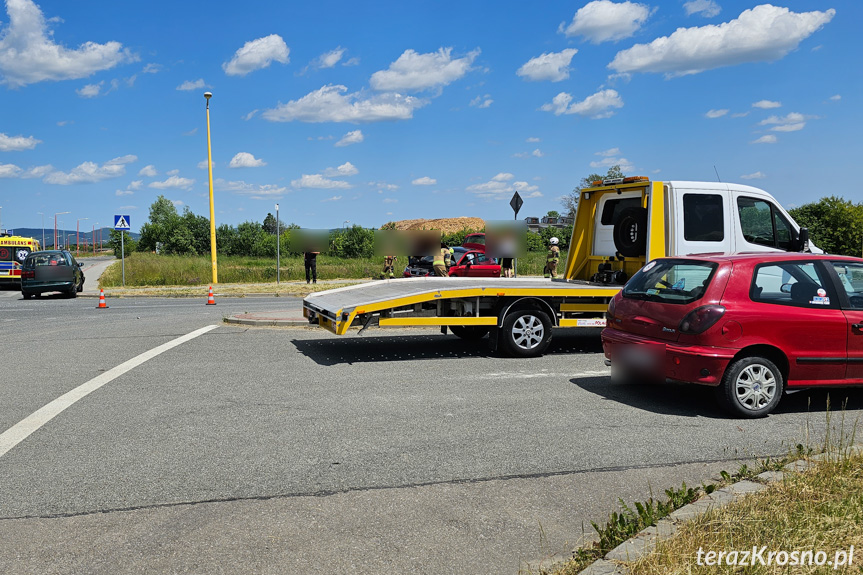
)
(515, 203)
(123, 255)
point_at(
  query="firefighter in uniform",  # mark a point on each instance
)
(552, 259)
(442, 260)
(389, 267)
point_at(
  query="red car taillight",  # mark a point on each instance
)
(28, 275)
(701, 319)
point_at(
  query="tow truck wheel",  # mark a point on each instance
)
(469, 332)
(526, 333)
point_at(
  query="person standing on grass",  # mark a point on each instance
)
(389, 267)
(311, 261)
(551, 259)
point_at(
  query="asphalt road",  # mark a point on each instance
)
(292, 450)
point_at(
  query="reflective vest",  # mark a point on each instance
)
(553, 255)
(441, 257)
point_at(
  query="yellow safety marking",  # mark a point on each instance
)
(409, 321)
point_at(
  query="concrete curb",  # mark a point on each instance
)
(267, 322)
(644, 542)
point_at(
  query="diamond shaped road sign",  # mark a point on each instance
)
(516, 203)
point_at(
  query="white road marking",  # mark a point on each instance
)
(21, 430)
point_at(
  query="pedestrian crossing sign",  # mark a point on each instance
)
(122, 223)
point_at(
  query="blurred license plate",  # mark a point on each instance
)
(641, 357)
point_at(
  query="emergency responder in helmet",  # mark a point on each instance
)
(552, 258)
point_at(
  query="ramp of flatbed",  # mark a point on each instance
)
(349, 298)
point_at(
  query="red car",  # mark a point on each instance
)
(466, 263)
(750, 325)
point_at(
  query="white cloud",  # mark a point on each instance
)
(148, 171)
(250, 115)
(551, 66)
(424, 181)
(754, 176)
(603, 20)
(87, 173)
(177, 203)
(136, 185)
(124, 193)
(331, 104)
(346, 169)
(246, 160)
(90, 90)
(203, 165)
(390, 201)
(537, 153)
(256, 191)
(257, 54)
(328, 59)
(716, 113)
(762, 34)
(317, 181)
(151, 69)
(612, 158)
(174, 183)
(332, 199)
(353, 137)
(9, 171)
(768, 139)
(36, 172)
(792, 122)
(597, 106)
(17, 143)
(532, 140)
(766, 104)
(128, 208)
(482, 102)
(740, 114)
(502, 187)
(836, 97)
(190, 85)
(707, 8)
(414, 72)
(172, 172)
(127, 159)
(384, 186)
(29, 54)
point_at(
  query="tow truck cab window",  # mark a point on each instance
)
(703, 218)
(763, 224)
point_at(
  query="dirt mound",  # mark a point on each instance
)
(445, 225)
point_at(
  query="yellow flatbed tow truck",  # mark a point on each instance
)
(619, 226)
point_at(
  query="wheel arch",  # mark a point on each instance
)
(526, 303)
(770, 352)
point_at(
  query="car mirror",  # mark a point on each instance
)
(786, 288)
(803, 240)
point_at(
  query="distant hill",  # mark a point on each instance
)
(36, 233)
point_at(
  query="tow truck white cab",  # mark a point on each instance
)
(619, 226)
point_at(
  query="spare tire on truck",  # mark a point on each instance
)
(630, 232)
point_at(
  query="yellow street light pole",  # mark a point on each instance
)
(209, 95)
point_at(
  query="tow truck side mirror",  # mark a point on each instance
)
(803, 240)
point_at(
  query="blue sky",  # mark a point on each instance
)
(370, 112)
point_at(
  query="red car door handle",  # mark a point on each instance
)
(857, 326)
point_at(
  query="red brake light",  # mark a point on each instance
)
(28, 275)
(609, 313)
(701, 319)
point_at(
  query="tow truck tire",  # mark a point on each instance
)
(630, 232)
(526, 333)
(469, 332)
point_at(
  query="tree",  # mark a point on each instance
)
(835, 224)
(163, 220)
(570, 201)
(125, 246)
(552, 214)
(270, 224)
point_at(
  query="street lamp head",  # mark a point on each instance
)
(208, 95)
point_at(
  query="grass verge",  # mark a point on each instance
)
(146, 269)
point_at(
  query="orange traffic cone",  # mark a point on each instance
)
(210, 299)
(102, 304)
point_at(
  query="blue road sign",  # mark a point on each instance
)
(122, 223)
